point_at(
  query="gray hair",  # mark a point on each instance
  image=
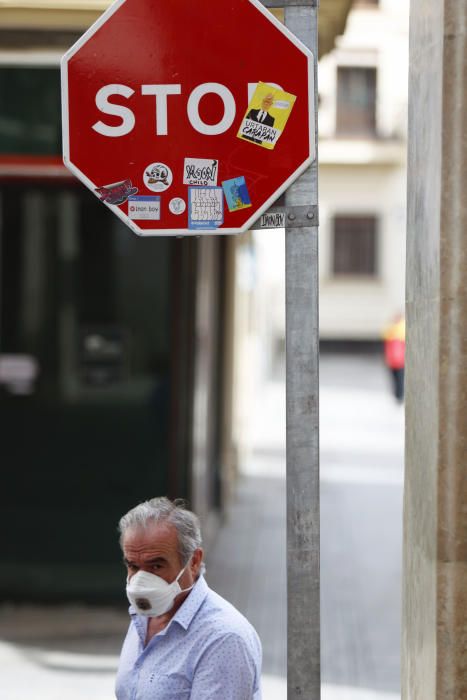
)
(162, 510)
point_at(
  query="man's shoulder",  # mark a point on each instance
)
(223, 618)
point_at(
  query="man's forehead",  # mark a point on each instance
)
(153, 534)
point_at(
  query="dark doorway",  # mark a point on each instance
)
(84, 388)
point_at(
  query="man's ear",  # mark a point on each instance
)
(196, 561)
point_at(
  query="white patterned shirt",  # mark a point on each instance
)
(208, 651)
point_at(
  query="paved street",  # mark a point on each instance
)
(361, 440)
(70, 653)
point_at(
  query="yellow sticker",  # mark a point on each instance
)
(266, 115)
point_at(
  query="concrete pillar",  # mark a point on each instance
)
(434, 646)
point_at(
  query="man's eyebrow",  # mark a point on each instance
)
(158, 560)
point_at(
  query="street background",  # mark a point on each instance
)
(107, 326)
(52, 653)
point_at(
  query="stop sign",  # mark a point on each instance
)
(188, 117)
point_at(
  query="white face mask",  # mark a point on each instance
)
(151, 595)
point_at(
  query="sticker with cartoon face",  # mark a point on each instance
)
(157, 177)
(177, 205)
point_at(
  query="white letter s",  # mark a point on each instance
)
(125, 114)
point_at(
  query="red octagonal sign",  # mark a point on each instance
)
(188, 117)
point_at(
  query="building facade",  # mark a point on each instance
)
(119, 370)
(111, 346)
(362, 151)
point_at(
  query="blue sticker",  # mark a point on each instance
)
(205, 207)
(236, 193)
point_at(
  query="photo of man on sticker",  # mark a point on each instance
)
(266, 115)
(262, 115)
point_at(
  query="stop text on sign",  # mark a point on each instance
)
(162, 92)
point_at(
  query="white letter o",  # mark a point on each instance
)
(229, 109)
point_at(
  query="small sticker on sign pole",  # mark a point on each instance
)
(273, 220)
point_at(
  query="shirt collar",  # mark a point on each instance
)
(187, 610)
(191, 604)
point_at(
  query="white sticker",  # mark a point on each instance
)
(158, 177)
(273, 220)
(144, 208)
(200, 172)
(177, 205)
(205, 207)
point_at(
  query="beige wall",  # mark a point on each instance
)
(353, 307)
(434, 651)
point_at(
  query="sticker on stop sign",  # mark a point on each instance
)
(266, 116)
(144, 208)
(158, 177)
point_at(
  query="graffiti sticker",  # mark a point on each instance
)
(205, 207)
(117, 192)
(200, 172)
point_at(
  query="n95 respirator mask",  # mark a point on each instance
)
(150, 595)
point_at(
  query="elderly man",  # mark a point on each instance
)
(184, 640)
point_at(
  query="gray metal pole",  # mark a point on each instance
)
(302, 348)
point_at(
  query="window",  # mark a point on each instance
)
(356, 101)
(355, 245)
(30, 111)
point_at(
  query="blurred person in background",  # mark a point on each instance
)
(394, 354)
(184, 640)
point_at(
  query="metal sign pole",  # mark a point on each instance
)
(302, 377)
